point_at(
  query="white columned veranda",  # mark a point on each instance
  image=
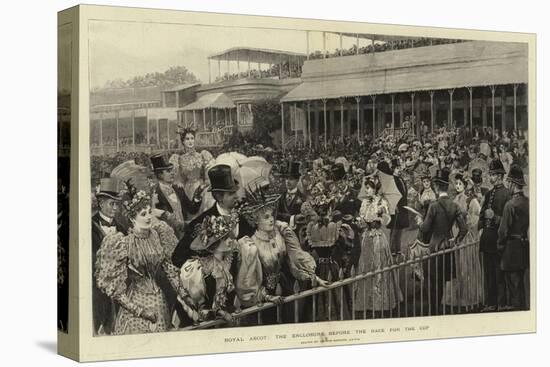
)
(373, 116)
(282, 126)
(471, 91)
(493, 90)
(325, 121)
(392, 112)
(451, 92)
(515, 106)
(309, 124)
(432, 110)
(341, 117)
(117, 132)
(358, 100)
(295, 127)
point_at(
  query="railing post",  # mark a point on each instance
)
(358, 100)
(325, 120)
(341, 277)
(296, 289)
(283, 126)
(353, 291)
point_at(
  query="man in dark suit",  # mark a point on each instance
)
(347, 202)
(399, 220)
(171, 198)
(489, 222)
(224, 190)
(437, 224)
(513, 241)
(292, 199)
(104, 224)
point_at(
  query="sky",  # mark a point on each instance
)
(128, 49)
(64, 57)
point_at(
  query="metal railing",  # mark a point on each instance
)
(418, 280)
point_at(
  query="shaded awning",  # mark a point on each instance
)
(179, 87)
(261, 55)
(487, 65)
(213, 100)
(379, 37)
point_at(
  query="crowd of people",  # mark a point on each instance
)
(383, 46)
(187, 242)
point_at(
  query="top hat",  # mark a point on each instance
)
(159, 162)
(477, 175)
(384, 167)
(221, 179)
(338, 171)
(109, 188)
(496, 167)
(293, 170)
(516, 175)
(442, 176)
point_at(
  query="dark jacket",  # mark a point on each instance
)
(289, 208)
(400, 219)
(512, 233)
(183, 250)
(495, 199)
(439, 220)
(102, 306)
(188, 206)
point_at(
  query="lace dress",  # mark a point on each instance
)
(190, 168)
(127, 270)
(380, 292)
(282, 262)
(467, 288)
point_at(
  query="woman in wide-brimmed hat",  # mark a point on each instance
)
(208, 278)
(382, 291)
(279, 251)
(128, 266)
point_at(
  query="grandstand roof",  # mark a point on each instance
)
(262, 55)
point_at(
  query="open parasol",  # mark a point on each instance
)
(253, 169)
(389, 190)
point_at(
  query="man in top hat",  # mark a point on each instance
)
(489, 222)
(400, 219)
(513, 241)
(346, 201)
(224, 190)
(292, 199)
(170, 197)
(478, 189)
(104, 224)
(437, 225)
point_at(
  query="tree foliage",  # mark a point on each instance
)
(173, 76)
(267, 119)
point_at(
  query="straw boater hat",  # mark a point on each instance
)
(515, 175)
(109, 188)
(212, 230)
